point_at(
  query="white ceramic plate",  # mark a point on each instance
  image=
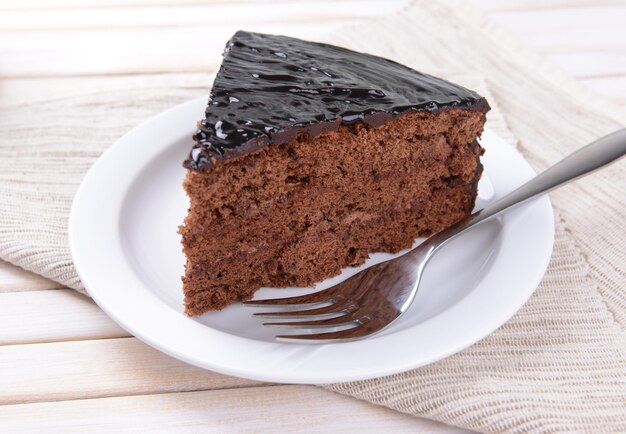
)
(127, 252)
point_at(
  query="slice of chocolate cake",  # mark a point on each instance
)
(311, 157)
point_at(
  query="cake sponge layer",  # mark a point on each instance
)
(296, 213)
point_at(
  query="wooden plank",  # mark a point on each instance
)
(98, 368)
(38, 5)
(52, 316)
(13, 279)
(540, 5)
(487, 5)
(155, 39)
(585, 41)
(19, 96)
(89, 43)
(278, 409)
(8, 5)
(121, 51)
(242, 14)
(591, 16)
(597, 29)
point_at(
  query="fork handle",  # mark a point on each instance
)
(584, 161)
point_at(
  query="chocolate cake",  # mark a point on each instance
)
(311, 157)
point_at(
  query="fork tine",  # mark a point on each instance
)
(302, 314)
(339, 321)
(325, 312)
(333, 294)
(320, 338)
(323, 297)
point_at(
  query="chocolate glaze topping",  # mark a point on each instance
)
(271, 88)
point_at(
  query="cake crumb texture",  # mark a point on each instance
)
(297, 213)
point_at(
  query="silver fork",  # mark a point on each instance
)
(372, 299)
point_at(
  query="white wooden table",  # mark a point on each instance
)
(64, 366)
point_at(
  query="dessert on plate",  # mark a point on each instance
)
(310, 157)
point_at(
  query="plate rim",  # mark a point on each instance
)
(100, 297)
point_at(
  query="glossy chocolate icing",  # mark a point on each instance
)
(271, 88)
